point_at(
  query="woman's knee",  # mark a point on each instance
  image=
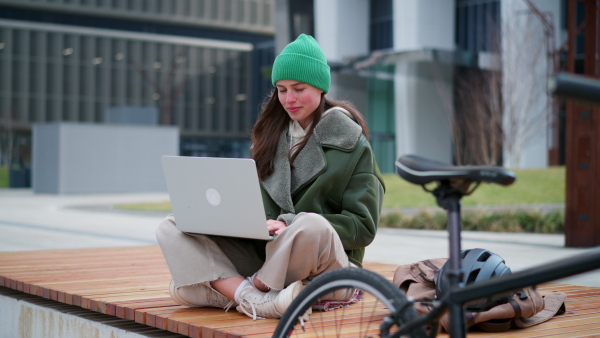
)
(312, 222)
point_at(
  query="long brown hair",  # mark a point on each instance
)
(273, 120)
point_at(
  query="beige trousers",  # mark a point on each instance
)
(308, 247)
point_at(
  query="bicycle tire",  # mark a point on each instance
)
(363, 319)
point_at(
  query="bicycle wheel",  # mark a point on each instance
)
(372, 316)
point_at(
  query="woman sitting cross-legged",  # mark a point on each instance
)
(322, 193)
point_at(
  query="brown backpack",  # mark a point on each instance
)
(524, 309)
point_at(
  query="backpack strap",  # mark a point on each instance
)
(516, 307)
(495, 325)
(554, 304)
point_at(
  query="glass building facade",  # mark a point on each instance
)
(196, 63)
(478, 25)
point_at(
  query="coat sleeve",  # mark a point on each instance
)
(360, 203)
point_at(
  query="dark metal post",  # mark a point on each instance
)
(457, 318)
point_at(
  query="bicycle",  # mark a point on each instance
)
(383, 309)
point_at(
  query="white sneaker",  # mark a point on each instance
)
(339, 295)
(257, 304)
(199, 296)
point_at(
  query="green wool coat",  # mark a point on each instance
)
(334, 175)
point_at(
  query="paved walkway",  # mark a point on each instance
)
(31, 221)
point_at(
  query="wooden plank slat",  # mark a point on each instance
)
(132, 283)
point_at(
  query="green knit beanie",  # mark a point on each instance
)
(302, 60)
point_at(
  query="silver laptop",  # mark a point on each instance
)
(216, 196)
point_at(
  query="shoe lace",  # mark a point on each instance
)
(246, 306)
(229, 305)
(215, 298)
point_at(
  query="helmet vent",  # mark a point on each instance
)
(472, 276)
(484, 256)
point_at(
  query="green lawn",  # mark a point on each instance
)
(161, 206)
(533, 186)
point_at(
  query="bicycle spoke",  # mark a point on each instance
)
(361, 316)
(358, 320)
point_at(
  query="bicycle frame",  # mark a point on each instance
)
(449, 199)
(458, 295)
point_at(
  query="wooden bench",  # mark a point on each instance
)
(132, 283)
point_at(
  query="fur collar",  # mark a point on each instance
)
(335, 130)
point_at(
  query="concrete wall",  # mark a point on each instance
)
(28, 316)
(135, 115)
(90, 158)
(422, 24)
(423, 95)
(423, 89)
(342, 28)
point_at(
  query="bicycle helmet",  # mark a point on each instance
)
(477, 265)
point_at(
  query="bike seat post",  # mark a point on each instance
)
(449, 199)
(453, 182)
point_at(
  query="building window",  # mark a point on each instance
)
(478, 25)
(381, 25)
(301, 18)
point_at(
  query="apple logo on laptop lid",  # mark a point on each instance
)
(213, 197)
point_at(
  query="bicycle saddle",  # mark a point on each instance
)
(419, 170)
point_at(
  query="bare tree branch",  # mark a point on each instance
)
(525, 108)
